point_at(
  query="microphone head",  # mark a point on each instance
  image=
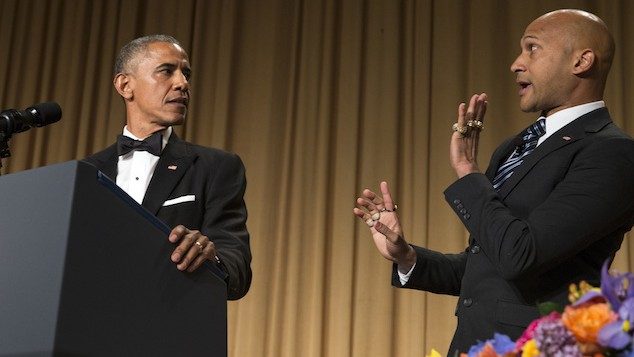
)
(45, 113)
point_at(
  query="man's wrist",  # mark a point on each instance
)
(405, 265)
(464, 171)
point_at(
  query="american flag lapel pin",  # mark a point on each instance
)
(172, 167)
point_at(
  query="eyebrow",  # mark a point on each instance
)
(173, 66)
(167, 64)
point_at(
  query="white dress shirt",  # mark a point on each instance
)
(553, 124)
(567, 116)
(135, 169)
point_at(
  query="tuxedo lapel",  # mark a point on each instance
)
(106, 162)
(576, 130)
(172, 165)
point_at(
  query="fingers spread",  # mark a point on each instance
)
(368, 205)
(388, 233)
(387, 196)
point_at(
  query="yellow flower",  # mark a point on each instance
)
(433, 353)
(586, 320)
(530, 349)
(574, 292)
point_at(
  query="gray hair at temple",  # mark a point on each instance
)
(136, 46)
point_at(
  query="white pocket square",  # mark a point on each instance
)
(181, 199)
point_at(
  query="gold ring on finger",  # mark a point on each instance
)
(475, 124)
(462, 130)
(200, 246)
(393, 209)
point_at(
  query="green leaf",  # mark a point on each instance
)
(546, 308)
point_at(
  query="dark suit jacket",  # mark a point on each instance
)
(554, 222)
(216, 178)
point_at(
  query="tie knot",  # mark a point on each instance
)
(535, 131)
(152, 144)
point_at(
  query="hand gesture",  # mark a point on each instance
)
(379, 213)
(463, 150)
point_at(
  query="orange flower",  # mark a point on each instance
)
(586, 320)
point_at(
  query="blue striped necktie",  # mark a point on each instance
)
(529, 136)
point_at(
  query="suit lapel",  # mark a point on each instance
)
(172, 165)
(106, 161)
(576, 130)
(499, 156)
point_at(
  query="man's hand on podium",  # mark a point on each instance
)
(192, 250)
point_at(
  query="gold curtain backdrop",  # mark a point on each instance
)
(320, 98)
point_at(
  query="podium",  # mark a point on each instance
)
(85, 271)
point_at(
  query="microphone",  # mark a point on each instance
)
(17, 121)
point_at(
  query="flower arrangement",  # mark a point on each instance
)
(597, 323)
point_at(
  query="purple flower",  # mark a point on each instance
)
(617, 334)
(501, 344)
(553, 339)
(616, 288)
(594, 294)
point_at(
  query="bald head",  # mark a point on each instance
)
(581, 30)
(564, 62)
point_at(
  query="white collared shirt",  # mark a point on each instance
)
(135, 169)
(567, 116)
(553, 124)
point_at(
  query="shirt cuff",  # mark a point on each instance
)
(405, 277)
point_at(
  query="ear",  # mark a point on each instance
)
(122, 83)
(584, 62)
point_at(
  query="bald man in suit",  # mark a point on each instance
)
(554, 203)
(197, 190)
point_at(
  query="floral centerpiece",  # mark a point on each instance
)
(598, 322)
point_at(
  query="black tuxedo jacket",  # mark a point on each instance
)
(561, 214)
(216, 179)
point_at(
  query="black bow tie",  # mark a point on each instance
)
(152, 144)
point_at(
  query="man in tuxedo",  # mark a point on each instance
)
(554, 203)
(197, 190)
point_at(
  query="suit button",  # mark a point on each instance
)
(475, 249)
(467, 302)
(459, 206)
(456, 202)
(467, 216)
(463, 211)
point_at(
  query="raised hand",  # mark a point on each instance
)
(379, 213)
(463, 150)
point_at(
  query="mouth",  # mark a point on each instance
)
(180, 101)
(524, 87)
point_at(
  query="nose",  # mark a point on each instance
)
(180, 82)
(518, 65)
